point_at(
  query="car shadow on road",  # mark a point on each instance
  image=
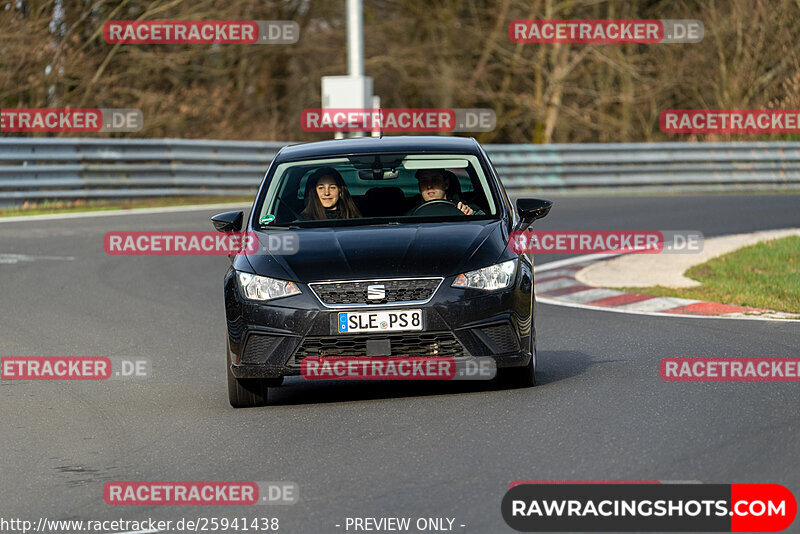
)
(554, 366)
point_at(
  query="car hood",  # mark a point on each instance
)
(355, 252)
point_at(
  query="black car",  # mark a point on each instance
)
(366, 242)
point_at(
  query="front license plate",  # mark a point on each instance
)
(380, 321)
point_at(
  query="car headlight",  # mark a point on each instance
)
(256, 287)
(498, 276)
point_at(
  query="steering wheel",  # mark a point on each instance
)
(438, 207)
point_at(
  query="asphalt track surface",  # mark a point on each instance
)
(600, 412)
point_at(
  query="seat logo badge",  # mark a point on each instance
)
(376, 292)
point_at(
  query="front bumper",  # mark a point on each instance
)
(270, 339)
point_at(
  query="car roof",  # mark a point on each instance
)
(370, 145)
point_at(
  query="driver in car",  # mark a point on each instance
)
(434, 184)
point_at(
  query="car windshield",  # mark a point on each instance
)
(377, 188)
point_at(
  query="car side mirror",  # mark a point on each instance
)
(230, 221)
(530, 209)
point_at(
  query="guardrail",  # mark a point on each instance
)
(72, 168)
(649, 166)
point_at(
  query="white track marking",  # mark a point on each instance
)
(17, 258)
(588, 258)
(591, 294)
(559, 272)
(557, 284)
(113, 213)
(656, 304)
(554, 302)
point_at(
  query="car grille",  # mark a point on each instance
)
(355, 293)
(425, 344)
(259, 347)
(502, 337)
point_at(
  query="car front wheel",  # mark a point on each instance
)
(521, 377)
(245, 392)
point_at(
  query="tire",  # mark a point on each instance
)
(246, 392)
(520, 377)
(273, 382)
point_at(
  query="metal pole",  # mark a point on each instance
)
(376, 107)
(355, 38)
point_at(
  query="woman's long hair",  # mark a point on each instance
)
(314, 209)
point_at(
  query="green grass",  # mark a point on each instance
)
(75, 206)
(764, 275)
